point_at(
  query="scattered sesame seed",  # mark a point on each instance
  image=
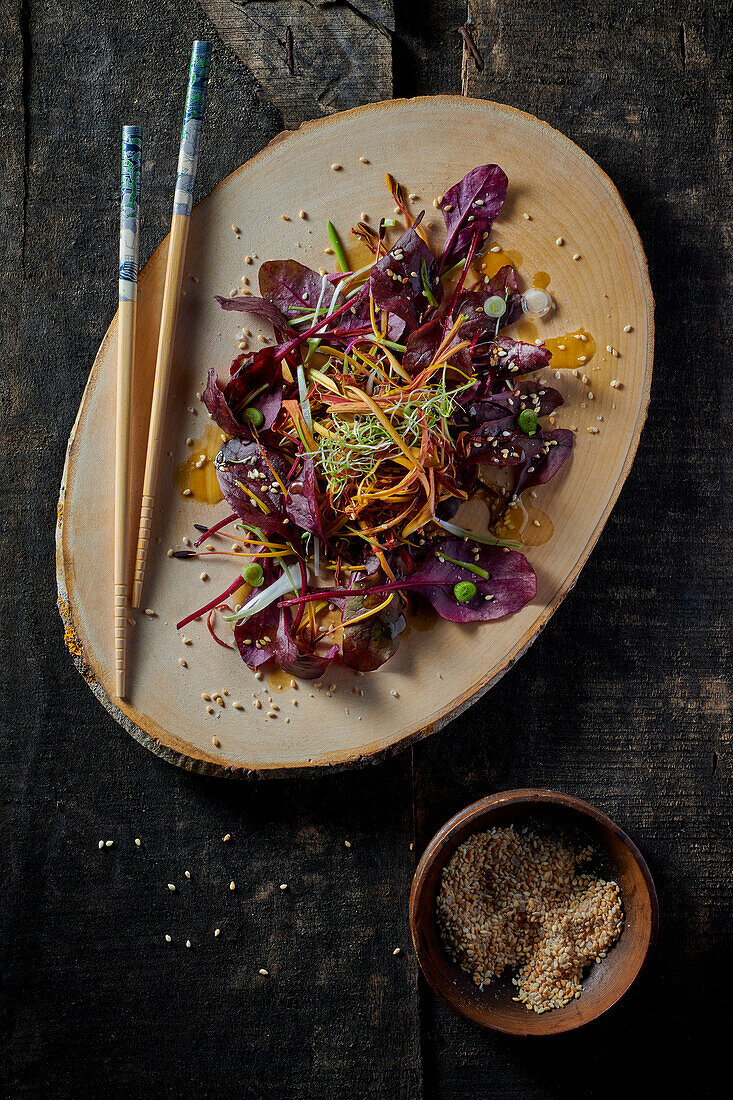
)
(209, 709)
(628, 328)
(101, 844)
(182, 662)
(336, 167)
(395, 694)
(258, 704)
(108, 843)
(187, 874)
(263, 972)
(615, 384)
(527, 217)
(285, 217)
(576, 256)
(171, 886)
(397, 951)
(215, 740)
(593, 431)
(237, 705)
(188, 943)
(187, 492)
(149, 612)
(227, 837)
(347, 844)
(232, 885)
(204, 576)
(495, 248)
(560, 242)
(236, 229)
(283, 885)
(137, 841)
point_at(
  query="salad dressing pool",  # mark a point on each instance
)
(197, 473)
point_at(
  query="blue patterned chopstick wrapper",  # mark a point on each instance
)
(132, 145)
(188, 153)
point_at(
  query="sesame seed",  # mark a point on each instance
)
(397, 951)
(171, 886)
(285, 217)
(188, 943)
(236, 229)
(237, 705)
(560, 242)
(576, 256)
(137, 841)
(336, 167)
(628, 328)
(187, 492)
(347, 844)
(363, 160)
(187, 874)
(217, 931)
(263, 972)
(204, 576)
(209, 709)
(149, 612)
(232, 885)
(227, 837)
(283, 885)
(258, 704)
(215, 740)
(527, 217)
(182, 662)
(593, 431)
(101, 844)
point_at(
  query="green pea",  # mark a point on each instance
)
(464, 591)
(528, 421)
(255, 417)
(253, 574)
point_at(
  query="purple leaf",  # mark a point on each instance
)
(256, 636)
(257, 384)
(544, 462)
(291, 286)
(479, 326)
(301, 502)
(423, 343)
(242, 462)
(293, 659)
(514, 357)
(258, 306)
(512, 582)
(397, 280)
(218, 407)
(368, 644)
(470, 205)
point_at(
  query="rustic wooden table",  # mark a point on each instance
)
(622, 701)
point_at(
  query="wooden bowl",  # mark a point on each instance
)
(605, 983)
(437, 674)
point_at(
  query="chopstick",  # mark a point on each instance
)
(129, 227)
(182, 202)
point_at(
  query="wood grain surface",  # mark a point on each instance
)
(623, 701)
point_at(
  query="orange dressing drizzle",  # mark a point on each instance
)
(519, 523)
(201, 481)
(570, 351)
(541, 280)
(494, 261)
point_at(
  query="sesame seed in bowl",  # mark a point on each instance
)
(532, 912)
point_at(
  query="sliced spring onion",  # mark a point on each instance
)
(464, 591)
(527, 421)
(337, 247)
(461, 532)
(495, 306)
(263, 599)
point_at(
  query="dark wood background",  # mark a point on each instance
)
(623, 700)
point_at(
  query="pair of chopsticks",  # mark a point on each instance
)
(129, 233)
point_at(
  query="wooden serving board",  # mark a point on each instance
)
(427, 144)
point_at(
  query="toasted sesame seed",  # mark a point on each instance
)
(527, 217)
(336, 167)
(149, 612)
(560, 241)
(137, 841)
(204, 576)
(576, 256)
(187, 492)
(283, 885)
(101, 844)
(237, 705)
(236, 229)
(171, 886)
(347, 844)
(363, 160)
(263, 972)
(215, 741)
(182, 662)
(209, 709)
(187, 874)
(593, 431)
(232, 885)
(217, 931)
(188, 943)
(628, 328)
(257, 704)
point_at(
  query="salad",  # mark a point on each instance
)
(351, 442)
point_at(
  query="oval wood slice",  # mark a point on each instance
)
(427, 144)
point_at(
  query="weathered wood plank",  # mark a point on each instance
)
(625, 699)
(311, 57)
